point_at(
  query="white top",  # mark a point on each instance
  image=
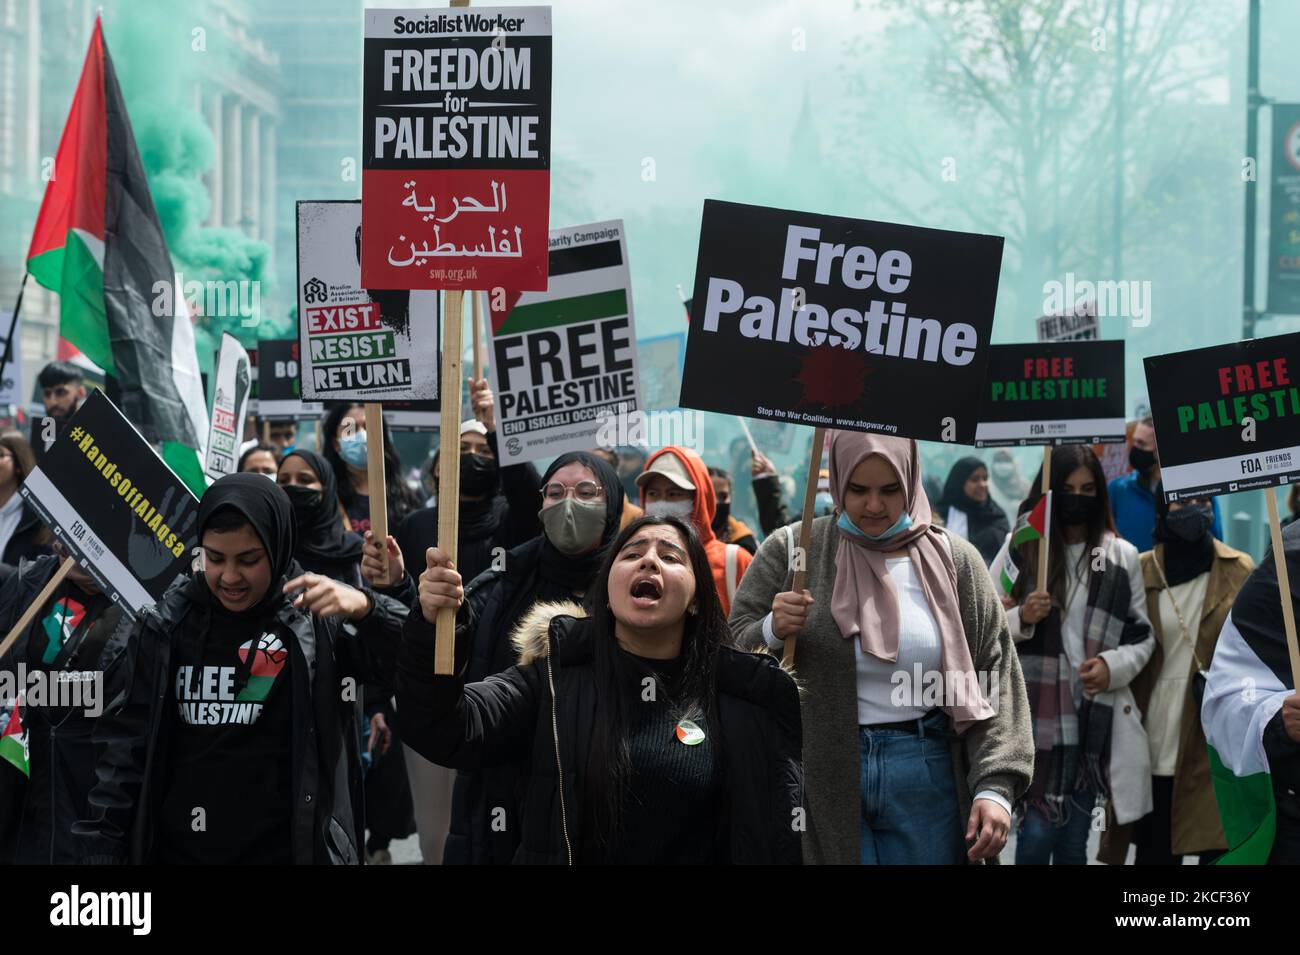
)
(10, 514)
(957, 522)
(1164, 714)
(892, 692)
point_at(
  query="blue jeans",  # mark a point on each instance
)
(1040, 842)
(910, 814)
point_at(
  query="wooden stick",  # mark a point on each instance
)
(444, 655)
(478, 338)
(378, 487)
(266, 431)
(805, 528)
(1283, 585)
(25, 620)
(1047, 525)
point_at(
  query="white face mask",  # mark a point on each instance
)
(682, 509)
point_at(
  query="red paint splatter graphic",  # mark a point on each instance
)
(834, 377)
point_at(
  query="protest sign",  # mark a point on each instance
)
(411, 415)
(358, 344)
(841, 323)
(115, 506)
(456, 142)
(229, 408)
(1081, 326)
(1053, 393)
(565, 359)
(1227, 417)
(279, 382)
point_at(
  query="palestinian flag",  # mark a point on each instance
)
(1247, 682)
(1005, 567)
(1035, 524)
(13, 738)
(98, 243)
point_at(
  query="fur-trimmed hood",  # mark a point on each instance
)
(530, 634)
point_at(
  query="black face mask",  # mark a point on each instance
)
(1076, 508)
(721, 512)
(478, 474)
(1141, 459)
(1190, 523)
(305, 501)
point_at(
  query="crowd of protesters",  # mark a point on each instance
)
(637, 678)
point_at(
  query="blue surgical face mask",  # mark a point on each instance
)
(903, 523)
(352, 449)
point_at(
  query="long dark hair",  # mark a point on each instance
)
(694, 694)
(1065, 460)
(401, 499)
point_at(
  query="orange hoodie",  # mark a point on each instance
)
(702, 517)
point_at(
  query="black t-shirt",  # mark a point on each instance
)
(228, 795)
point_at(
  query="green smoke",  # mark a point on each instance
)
(163, 51)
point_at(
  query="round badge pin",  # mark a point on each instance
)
(689, 733)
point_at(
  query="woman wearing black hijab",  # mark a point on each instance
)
(581, 509)
(969, 511)
(238, 703)
(324, 546)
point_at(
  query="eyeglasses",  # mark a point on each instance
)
(586, 491)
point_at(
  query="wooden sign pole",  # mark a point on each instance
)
(805, 529)
(378, 486)
(444, 658)
(25, 620)
(1047, 518)
(1283, 584)
(266, 431)
(478, 338)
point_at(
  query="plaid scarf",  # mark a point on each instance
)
(1072, 747)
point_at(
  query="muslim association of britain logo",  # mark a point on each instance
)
(314, 290)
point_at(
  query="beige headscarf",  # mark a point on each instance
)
(865, 602)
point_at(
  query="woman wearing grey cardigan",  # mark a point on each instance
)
(913, 696)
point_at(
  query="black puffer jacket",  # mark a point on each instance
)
(327, 824)
(540, 713)
(495, 602)
(39, 811)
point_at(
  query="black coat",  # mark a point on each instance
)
(327, 824)
(24, 542)
(540, 713)
(39, 811)
(495, 602)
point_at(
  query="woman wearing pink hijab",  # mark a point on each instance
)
(917, 737)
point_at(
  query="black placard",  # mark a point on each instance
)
(115, 505)
(1200, 403)
(892, 336)
(1053, 393)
